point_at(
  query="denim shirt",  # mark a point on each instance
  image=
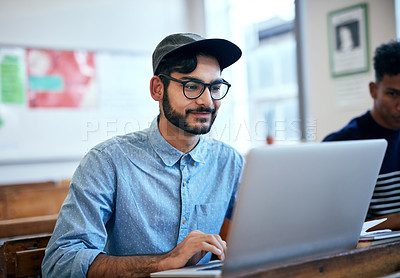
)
(137, 195)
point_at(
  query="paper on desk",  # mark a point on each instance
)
(372, 223)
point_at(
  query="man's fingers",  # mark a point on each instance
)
(214, 244)
(218, 242)
(213, 249)
(198, 243)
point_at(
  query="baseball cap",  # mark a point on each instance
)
(223, 50)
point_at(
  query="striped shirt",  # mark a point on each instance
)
(386, 196)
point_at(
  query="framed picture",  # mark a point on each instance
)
(348, 40)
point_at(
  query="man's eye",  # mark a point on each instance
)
(394, 94)
(216, 87)
(192, 86)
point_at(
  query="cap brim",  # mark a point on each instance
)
(224, 51)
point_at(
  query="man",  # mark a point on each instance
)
(382, 121)
(155, 199)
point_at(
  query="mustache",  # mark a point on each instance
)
(201, 109)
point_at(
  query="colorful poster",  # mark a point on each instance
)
(59, 78)
(12, 75)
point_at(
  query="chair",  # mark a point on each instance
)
(22, 256)
(27, 226)
(28, 262)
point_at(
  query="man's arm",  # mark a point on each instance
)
(224, 232)
(187, 252)
(392, 222)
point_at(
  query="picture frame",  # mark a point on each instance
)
(348, 40)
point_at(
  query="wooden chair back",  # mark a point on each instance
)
(22, 257)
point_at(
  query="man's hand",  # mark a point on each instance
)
(194, 247)
(188, 252)
(392, 222)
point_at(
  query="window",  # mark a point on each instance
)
(264, 100)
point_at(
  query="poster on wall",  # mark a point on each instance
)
(348, 40)
(57, 78)
(12, 75)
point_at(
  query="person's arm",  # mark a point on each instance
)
(392, 222)
(188, 252)
(226, 226)
(80, 233)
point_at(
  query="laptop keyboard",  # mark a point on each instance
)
(218, 267)
(212, 266)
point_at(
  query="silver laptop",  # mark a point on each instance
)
(296, 203)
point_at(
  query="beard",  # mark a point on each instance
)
(180, 120)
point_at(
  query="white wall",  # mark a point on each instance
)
(322, 88)
(117, 26)
(132, 25)
(136, 26)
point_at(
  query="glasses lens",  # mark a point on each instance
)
(218, 91)
(193, 89)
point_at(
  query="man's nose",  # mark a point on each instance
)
(205, 98)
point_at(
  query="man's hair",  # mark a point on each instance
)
(387, 60)
(181, 62)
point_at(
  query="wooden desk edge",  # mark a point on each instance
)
(377, 260)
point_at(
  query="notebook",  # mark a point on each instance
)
(296, 203)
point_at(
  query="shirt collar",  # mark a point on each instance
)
(170, 155)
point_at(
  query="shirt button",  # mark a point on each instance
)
(183, 158)
(184, 184)
(193, 164)
(184, 221)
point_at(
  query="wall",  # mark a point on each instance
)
(136, 26)
(91, 24)
(323, 103)
(124, 28)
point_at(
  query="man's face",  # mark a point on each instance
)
(386, 95)
(194, 116)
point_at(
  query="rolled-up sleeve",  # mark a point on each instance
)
(80, 233)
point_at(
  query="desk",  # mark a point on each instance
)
(374, 261)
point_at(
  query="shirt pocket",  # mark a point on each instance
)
(210, 217)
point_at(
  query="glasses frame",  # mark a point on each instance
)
(208, 85)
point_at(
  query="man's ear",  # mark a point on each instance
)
(156, 88)
(373, 89)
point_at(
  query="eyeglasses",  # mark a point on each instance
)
(193, 89)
